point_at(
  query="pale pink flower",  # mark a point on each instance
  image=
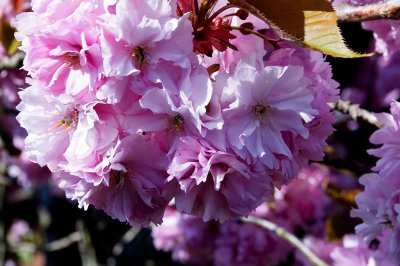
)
(61, 129)
(378, 206)
(132, 189)
(269, 102)
(379, 203)
(388, 137)
(324, 90)
(181, 105)
(139, 36)
(356, 252)
(247, 244)
(188, 238)
(303, 202)
(215, 184)
(69, 61)
(386, 33)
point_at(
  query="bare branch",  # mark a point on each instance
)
(386, 9)
(284, 234)
(126, 238)
(355, 111)
(63, 242)
(88, 254)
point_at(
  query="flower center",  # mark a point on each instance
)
(70, 120)
(139, 55)
(260, 111)
(117, 177)
(177, 122)
(72, 60)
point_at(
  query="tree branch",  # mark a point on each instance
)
(284, 234)
(64, 242)
(387, 9)
(355, 111)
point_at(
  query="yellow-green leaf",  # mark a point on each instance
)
(13, 48)
(322, 33)
(312, 23)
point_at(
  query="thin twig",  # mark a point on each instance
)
(63, 242)
(88, 255)
(126, 238)
(355, 111)
(389, 9)
(284, 234)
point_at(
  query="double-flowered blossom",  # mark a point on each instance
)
(132, 184)
(301, 207)
(386, 33)
(134, 103)
(379, 203)
(216, 184)
(351, 250)
(188, 238)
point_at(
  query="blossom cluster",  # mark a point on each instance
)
(378, 204)
(134, 103)
(302, 207)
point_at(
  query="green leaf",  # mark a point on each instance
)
(312, 23)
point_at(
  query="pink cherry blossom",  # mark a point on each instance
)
(215, 184)
(189, 238)
(156, 35)
(268, 103)
(133, 187)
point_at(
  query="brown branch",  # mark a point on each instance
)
(386, 9)
(356, 112)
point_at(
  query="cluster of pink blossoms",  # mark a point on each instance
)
(301, 207)
(134, 103)
(379, 203)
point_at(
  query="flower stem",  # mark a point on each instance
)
(284, 234)
(219, 11)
